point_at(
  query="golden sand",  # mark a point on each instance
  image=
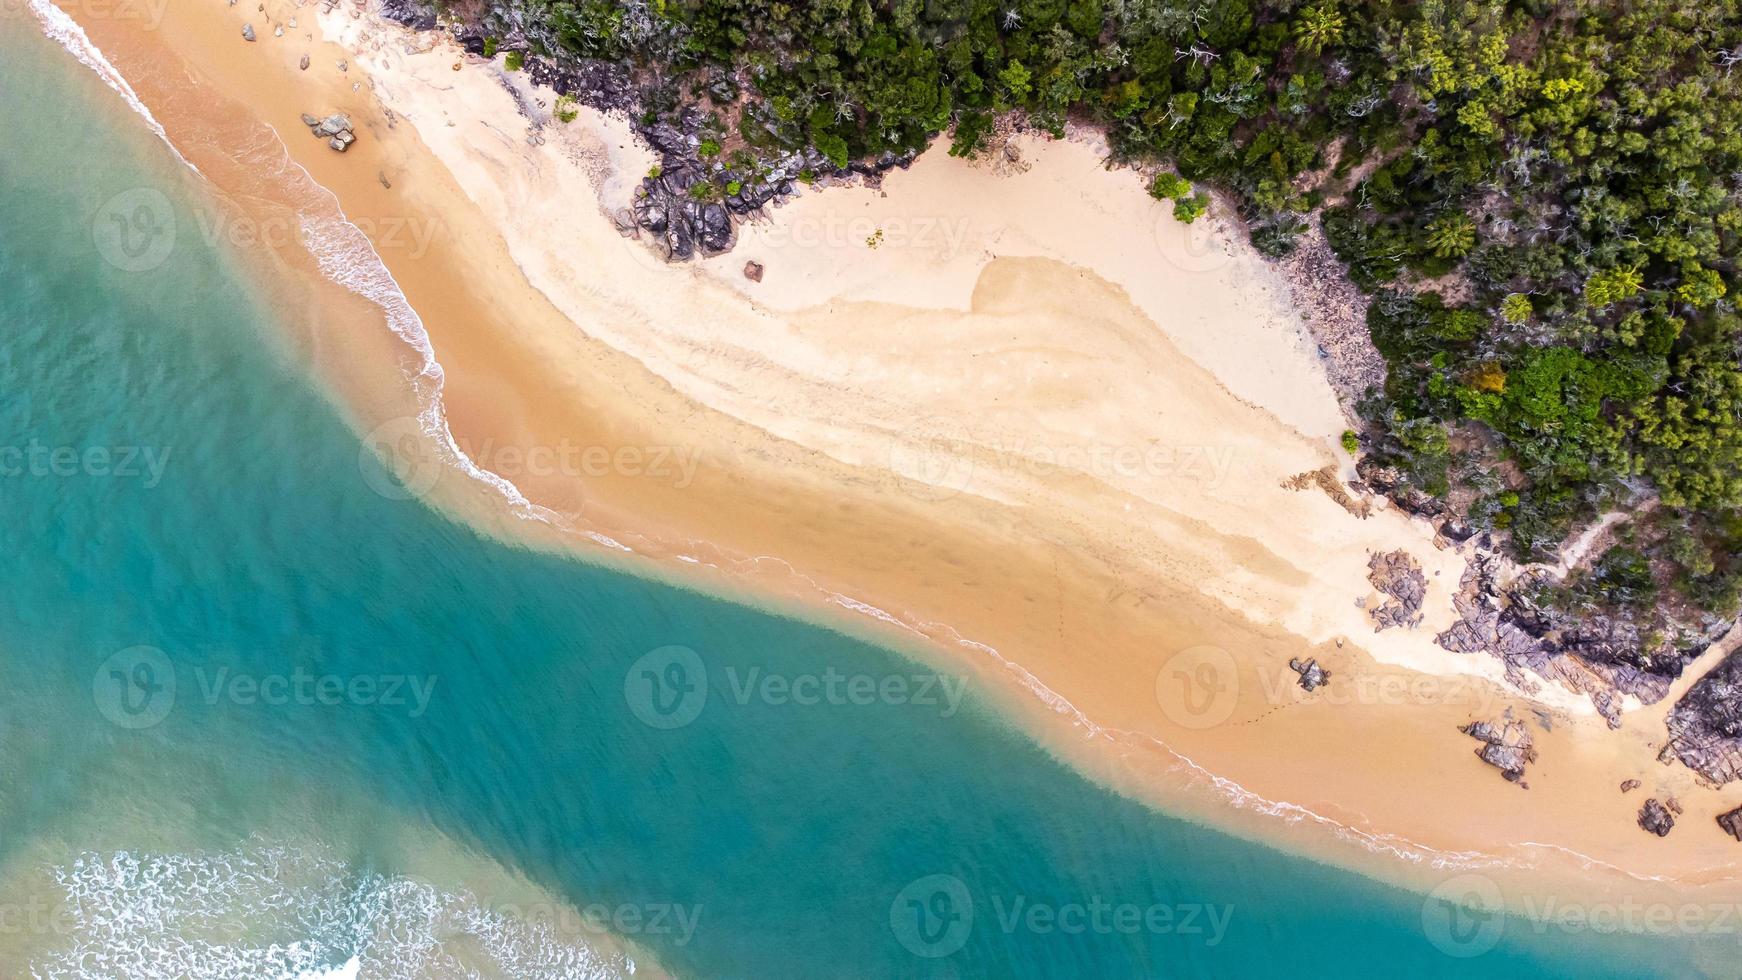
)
(1034, 430)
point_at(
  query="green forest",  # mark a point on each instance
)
(1544, 200)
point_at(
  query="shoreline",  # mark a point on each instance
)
(812, 458)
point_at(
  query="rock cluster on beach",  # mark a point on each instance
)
(1506, 746)
(1312, 676)
(1398, 577)
(691, 204)
(1593, 654)
(335, 129)
(1705, 727)
(1657, 817)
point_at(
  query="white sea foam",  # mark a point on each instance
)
(66, 32)
(271, 911)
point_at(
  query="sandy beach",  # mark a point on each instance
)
(1021, 422)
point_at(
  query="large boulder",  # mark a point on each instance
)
(1656, 818)
(1705, 727)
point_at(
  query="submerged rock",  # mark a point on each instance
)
(1656, 818)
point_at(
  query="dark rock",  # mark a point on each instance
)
(1629, 786)
(1312, 676)
(1399, 577)
(722, 89)
(1732, 822)
(1705, 727)
(1390, 481)
(409, 13)
(1456, 531)
(303, 64)
(753, 271)
(1507, 747)
(1655, 818)
(716, 229)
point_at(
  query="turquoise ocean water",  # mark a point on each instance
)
(236, 683)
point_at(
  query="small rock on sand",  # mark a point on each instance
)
(753, 271)
(247, 32)
(1312, 676)
(1732, 822)
(304, 63)
(1630, 785)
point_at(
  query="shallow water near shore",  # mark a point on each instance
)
(249, 691)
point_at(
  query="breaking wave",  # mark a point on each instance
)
(280, 912)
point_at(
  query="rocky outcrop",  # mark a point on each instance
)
(1312, 676)
(335, 129)
(1656, 818)
(1705, 727)
(1596, 655)
(1506, 746)
(1732, 822)
(1399, 578)
(682, 221)
(1389, 482)
(410, 13)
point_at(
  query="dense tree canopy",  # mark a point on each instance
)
(1544, 196)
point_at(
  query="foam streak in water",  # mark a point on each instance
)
(66, 32)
